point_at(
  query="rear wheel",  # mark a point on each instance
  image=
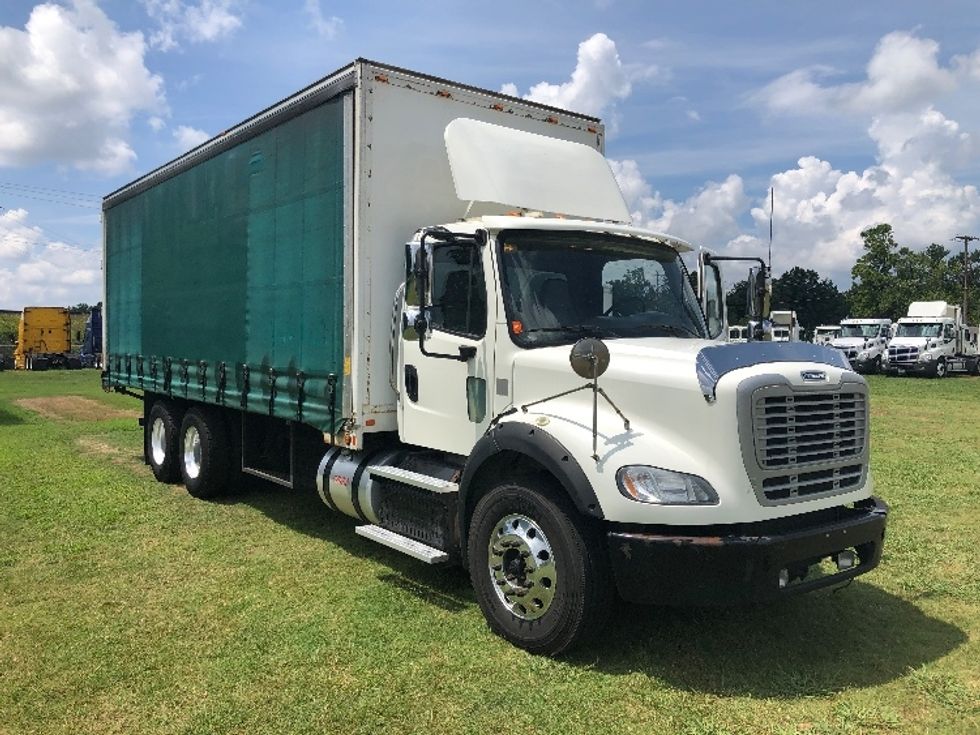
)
(161, 441)
(538, 568)
(204, 453)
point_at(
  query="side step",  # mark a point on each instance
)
(415, 479)
(403, 544)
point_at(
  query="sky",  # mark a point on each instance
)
(855, 113)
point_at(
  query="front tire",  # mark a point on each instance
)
(160, 448)
(941, 368)
(540, 571)
(204, 453)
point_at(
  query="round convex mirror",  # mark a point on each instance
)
(589, 358)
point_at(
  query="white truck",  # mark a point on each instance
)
(426, 303)
(738, 334)
(825, 334)
(785, 327)
(864, 343)
(932, 340)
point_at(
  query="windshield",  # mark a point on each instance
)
(859, 330)
(559, 286)
(827, 332)
(781, 332)
(919, 330)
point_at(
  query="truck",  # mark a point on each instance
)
(785, 327)
(864, 342)
(932, 340)
(90, 353)
(426, 303)
(738, 333)
(44, 339)
(826, 333)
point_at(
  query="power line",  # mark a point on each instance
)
(43, 189)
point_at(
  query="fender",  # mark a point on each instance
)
(538, 445)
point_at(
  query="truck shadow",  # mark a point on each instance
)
(815, 644)
(9, 418)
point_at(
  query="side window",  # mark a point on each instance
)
(459, 297)
(949, 333)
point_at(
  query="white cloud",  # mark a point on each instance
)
(902, 75)
(35, 270)
(326, 27)
(821, 210)
(599, 81)
(188, 137)
(70, 83)
(156, 123)
(206, 20)
(709, 217)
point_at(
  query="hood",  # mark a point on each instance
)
(695, 364)
(850, 342)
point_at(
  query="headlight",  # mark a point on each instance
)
(862, 356)
(663, 487)
(925, 357)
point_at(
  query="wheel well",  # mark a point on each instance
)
(507, 465)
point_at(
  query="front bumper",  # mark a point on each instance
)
(909, 368)
(730, 565)
(865, 366)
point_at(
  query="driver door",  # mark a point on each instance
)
(442, 390)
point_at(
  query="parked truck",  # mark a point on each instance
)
(864, 342)
(90, 353)
(785, 326)
(826, 333)
(44, 339)
(932, 340)
(426, 302)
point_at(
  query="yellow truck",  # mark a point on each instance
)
(44, 339)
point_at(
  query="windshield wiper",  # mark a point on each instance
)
(591, 331)
(678, 329)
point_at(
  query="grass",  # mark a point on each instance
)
(126, 606)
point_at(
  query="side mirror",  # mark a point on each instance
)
(757, 294)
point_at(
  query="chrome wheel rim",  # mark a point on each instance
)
(522, 567)
(158, 442)
(940, 369)
(192, 452)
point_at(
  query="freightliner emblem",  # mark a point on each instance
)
(811, 376)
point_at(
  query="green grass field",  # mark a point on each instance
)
(126, 606)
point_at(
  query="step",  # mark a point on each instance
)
(415, 479)
(408, 546)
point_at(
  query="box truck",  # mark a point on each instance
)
(864, 342)
(785, 327)
(426, 303)
(932, 340)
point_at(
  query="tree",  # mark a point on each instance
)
(815, 300)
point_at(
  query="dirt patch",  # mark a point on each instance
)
(115, 455)
(73, 408)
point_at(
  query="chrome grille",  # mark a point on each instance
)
(786, 487)
(898, 354)
(800, 429)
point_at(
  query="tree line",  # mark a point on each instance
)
(885, 280)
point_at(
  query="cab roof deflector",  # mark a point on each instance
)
(515, 168)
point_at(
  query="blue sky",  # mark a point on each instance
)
(857, 112)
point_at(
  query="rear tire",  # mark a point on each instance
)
(204, 453)
(539, 569)
(160, 442)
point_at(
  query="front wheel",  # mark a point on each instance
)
(941, 368)
(539, 570)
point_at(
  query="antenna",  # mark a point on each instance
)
(772, 207)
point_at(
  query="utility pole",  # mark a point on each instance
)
(967, 239)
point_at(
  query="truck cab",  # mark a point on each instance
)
(864, 342)
(826, 333)
(932, 341)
